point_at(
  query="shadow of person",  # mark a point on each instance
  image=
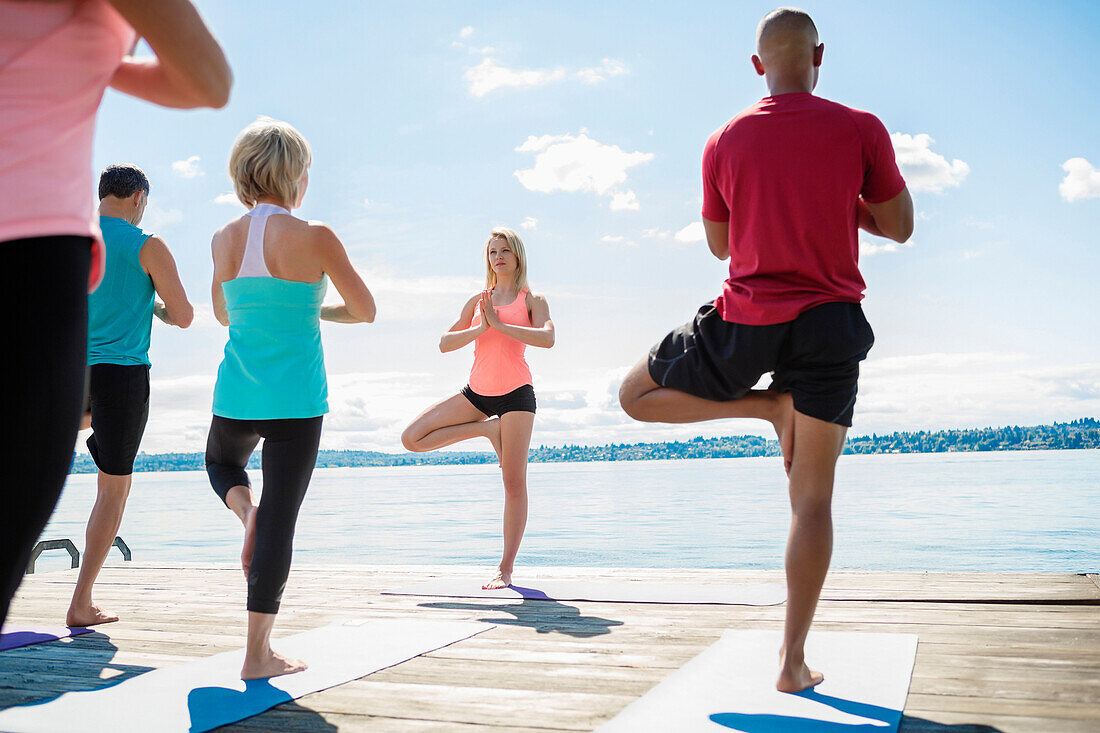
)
(544, 616)
(37, 674)
(211, 707)
(882, 717)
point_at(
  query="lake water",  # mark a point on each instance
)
(1004, 511)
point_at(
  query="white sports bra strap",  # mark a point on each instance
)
(252, 264)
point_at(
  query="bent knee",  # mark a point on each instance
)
(410, 441)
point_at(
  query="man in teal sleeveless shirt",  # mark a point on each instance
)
(120, 317)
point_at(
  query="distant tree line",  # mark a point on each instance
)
(1078, 434)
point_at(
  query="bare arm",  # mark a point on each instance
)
(189, 70)
(541, 331)
(358, 305)
(158, 262)
(718, 237)
(217, 297)
(892, 219)
(461, 332)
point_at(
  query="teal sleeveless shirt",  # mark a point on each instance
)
(274, 367)
(120, 311)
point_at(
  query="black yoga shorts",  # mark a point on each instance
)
(815, 357)
(119, 399)
(521, 399)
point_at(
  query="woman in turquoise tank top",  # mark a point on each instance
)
(499, 402)
(271, 271)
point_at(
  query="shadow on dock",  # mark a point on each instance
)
(47, 671)
(542, 616)
(207, 705)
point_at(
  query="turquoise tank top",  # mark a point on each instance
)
(120, 311)
(274, 367)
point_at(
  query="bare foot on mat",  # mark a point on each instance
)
(270, 665)
(502, 580)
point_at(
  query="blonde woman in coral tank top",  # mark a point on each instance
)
(499, 402)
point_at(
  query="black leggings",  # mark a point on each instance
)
(289, 455)
(44, 299)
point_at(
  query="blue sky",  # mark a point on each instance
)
(581, 125)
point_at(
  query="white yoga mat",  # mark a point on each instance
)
(731, 686)
(206, 693)
(745, 594)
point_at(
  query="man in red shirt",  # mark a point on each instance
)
(786, 186)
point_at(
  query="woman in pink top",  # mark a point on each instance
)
(56, 60)
(499, 401)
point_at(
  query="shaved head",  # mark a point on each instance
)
(787, 50)
(786, 36)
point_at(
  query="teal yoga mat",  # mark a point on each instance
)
(731, 687)
(207, 693)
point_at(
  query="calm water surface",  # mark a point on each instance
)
(1005, 511)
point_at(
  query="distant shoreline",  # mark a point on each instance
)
(1075, 435)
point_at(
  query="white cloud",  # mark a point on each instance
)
(618, 239)
(157, 218)
(188, 168)
(488, 76)
(568, 163)
(870, 247)
(656, 233)
(1082, 180)
(229, 199)
(925, 170)
(594, 75)
(530, 223)
(466, 32)
(693, 232)
(624, 201)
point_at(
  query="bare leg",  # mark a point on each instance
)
(243, 503)
(515, 442)
(645, 400)
(260, 660)
(818, 444)
(102, 529)
(447, 422)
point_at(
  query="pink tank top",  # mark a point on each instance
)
(56, 60)
(499, 366)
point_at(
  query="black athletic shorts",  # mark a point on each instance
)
(815, 357)
(119, 399)
(520, 399)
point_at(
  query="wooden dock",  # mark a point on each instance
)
(998, 651)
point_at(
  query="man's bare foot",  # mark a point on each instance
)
(270, 665)
(798, 679)
(249, 542)
(502, 580)
(784, 428)
(493, 426)
(88, 615)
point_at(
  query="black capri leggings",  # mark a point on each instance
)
(289, 455)
(44, 298)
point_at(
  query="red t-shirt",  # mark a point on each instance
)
(785, 174)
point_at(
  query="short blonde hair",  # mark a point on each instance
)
(268, 159)
(516, 245)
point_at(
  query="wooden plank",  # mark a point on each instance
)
(1011, 662)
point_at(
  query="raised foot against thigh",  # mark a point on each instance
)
(492, 428)
(796, 678)
(784, 428)
(88, 615)
(503, 579)
(249, 541)
(271, 664)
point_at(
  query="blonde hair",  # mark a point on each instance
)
(268, 159)
(516, 245)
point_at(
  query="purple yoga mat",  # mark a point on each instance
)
(12, 637)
